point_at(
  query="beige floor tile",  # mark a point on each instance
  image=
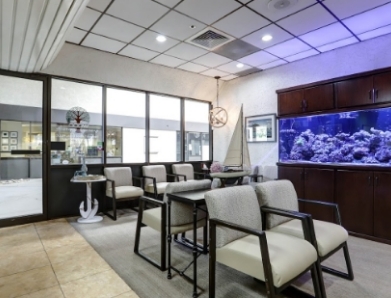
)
(81, 264)
(67, 253)
(50, 230)
(62, 238)
(49, 222)
(13, 262)
(54, 292)
(27, 282)
(130, 294)
(105, 284)
(20, 239)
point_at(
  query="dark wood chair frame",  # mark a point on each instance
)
(271, 290)
(155, 194)
(203, 175)
(115, 200)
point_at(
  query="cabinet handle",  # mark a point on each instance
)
(370, 94)
(376, 94)
(304, 105)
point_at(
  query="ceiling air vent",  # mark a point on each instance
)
(209, 39)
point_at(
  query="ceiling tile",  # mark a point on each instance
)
(148, 40)
(102, 43)
(302, 55)
(214, 73)
(186, 51)
(169, 3)
(229, 77)
(177, 25)
(139, 12)
(278, 34)
(248, 71)
(232, 67)
(338, 44)
(272, 64)
(116, 29)
(138, 53)
(258, 58)
(207, 11)
(325, 35)
(193, 67)
(167, 61)
(76, 35)
(288, 48)
(273, 14)
(87, 19)
(348, 8)
(374, 33)
(98, 4)
(234, 25)
(212, 60)
(236, 49)
(373, 19)
(307, 20)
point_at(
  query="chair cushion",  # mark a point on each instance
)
(328, 235)
(157, 171)
(125, 192)
(289, 256)
(121, 175)
(153, 218)
(161, 187)
(184, 169)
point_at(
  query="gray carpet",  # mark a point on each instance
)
(114, 241)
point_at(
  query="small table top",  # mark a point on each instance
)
(190, 196)
(229, 174)
(88, 178)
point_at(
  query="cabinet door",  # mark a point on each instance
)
(382, 85)
(382, 205)
(355, 92)
(354, 195)
(319, 185)
(319, 98)
(295, 175)
(290, 102)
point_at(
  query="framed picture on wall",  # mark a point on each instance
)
(5, 148)
(4, 141)
(261, 128)
(4, 134)
(13, 141)
(13, 147)
(13, 134)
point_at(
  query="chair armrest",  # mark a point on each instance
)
(173, 175)
(237, 227)
(326, 204)
(178, 175)
(153, 181)
(141, 179)
(203, 175)
(112, 187)
(152, 201)
(255, 176)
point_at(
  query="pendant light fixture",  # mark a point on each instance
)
(218, 116)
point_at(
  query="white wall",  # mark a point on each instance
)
(257, 92)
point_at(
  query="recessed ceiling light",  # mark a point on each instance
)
(161, 38)
(192, 26)
(239, 65)
(267, 37)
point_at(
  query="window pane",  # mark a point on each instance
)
(125, 126)
(165, 124)
(77, 121)
(196, 130)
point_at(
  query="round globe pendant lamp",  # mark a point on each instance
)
(218, 116)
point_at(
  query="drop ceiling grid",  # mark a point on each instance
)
(304, 37)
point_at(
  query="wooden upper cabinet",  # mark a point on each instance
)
(290, 102)
(355, 92)
(382, 87)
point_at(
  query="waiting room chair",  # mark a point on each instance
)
(119, 187)
(254, 177)
(156, 218)
(330, 237)
(155, 179)
(185, 171)
(237, 241)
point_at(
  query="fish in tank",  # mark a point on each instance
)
(361, 137)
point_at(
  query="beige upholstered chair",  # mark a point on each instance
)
(119, 187)
(155, 179)
(330, 237)
(237, 241)
(254, 177)
(156, 218)
(185, 171)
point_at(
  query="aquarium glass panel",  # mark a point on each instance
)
(359, 137)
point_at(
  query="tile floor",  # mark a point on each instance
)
(52, 260)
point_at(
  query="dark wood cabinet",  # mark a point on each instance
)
(382, 205)
(290, 102)
(354, 92)
(382, 87)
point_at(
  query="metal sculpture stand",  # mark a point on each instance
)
(88, 216)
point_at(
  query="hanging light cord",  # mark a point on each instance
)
(217, 91)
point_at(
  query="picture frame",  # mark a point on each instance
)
(5, 148)
(13, 147)
(13, 141)
(261, 128)
(4, 141)
(4, 134)
(13, 134)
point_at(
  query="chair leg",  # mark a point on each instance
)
(350, 274)
(212, 262)
(317, 280)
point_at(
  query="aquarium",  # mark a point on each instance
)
(359, 137)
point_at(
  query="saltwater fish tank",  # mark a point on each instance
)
(358, 137)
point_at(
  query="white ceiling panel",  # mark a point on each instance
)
(278, 34)
(288, 48)
(273, 14)
(307, 20)
(232, 67)
(192, 67)
(21, 20)
(76, 35)
(337, 44)
(169, 3)
(347, 8)
(148, 40)
(100, 5)
(235, 25)
(102, 43)
(258, 58)
(87, 19)
(229, 77)
(325, 35)
(375, 33)
(186, 51)
(272, 64)
(167, 61)
(302, 55)
(139, 12)
(212, 60)
(370, 20)
(177, 25)
(207, 11)
(138, 53)
(214, 73)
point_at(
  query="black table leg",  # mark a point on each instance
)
(195, 250)
(169, 238)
